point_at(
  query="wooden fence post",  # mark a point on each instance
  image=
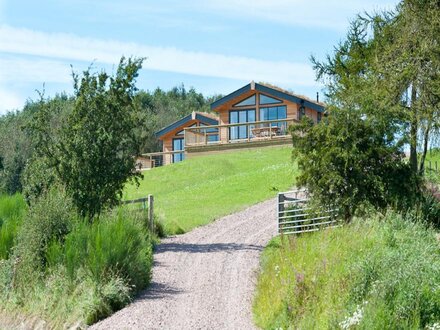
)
(151, 212)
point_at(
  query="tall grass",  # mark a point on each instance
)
(12, 209)
(377, 274)
(69, 271)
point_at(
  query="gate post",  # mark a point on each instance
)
(151, 212)
(281, 199)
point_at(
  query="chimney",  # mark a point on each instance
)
(317, 96)
(252, 85)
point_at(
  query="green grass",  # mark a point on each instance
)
(12, 210)
(201, 189)
(378, 274)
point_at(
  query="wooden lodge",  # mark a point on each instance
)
(255, 115)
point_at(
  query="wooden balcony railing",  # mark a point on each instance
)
(236, 133)
(155, 159)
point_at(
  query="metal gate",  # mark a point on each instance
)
(295, 216)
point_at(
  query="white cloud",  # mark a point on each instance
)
(332, 14)
(19, 70)
(69, 47)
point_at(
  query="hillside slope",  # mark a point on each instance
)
(199, 190)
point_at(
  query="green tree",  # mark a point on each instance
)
(348, 164)
(389, 68)
(93, 154)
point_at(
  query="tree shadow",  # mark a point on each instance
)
(206, 248)
(157, 291)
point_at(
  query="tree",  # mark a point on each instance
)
(93, 154)
(389, 67)
(347, 163)
(409, 62)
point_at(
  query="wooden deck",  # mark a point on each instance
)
(199, 150)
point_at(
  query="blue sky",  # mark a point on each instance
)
(215, 46)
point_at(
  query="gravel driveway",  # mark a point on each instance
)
(204, 279)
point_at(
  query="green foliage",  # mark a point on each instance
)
(94, 153)
(12, 210)
(347, 162)
(236, 179)
(72, 272)
(157, 109)
(388, 68)
(37, 178)
(116, 245)
(377, 274)
(50, 218)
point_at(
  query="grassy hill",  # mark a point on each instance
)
(201, 189)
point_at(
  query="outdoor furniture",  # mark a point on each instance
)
(265, 131)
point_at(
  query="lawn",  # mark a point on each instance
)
(381, 273)
(199, 190)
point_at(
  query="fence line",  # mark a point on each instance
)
(295, 216)
(147, 204)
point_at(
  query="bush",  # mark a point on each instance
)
(50, 218)
(351, 163)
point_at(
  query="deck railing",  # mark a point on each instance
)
(240, 132)
(156, 159)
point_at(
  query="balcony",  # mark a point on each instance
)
(261, 132)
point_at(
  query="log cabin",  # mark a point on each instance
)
(256, 115)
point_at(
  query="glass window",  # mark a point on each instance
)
(240, 116)
(264, 99)
(178, 144)
(273, 113)
(319, 117)
(249, 101)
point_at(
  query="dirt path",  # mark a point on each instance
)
(203, 279)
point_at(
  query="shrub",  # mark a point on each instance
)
(50, 218)
(352, 163)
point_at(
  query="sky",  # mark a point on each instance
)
(215, 46)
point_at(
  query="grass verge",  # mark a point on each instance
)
(201, 189)
(378, 274)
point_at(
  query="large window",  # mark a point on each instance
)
(178, 144)
(272, 113)
(240, 116)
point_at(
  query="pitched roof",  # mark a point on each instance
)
(204, 117)
(273, 91)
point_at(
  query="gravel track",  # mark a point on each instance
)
(204, 279)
